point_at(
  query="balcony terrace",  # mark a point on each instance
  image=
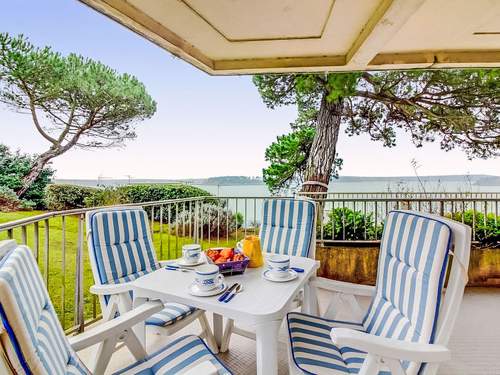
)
(59, 245)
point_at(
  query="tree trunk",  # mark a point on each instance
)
(322, 155)
(35, 170)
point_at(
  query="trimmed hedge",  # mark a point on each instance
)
(67, 197)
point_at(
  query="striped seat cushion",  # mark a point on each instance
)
(313, 350)
(172, 313)
(287, 226)
(121, 244)
(411, 271)
(35, 334)
(123, 251)
(181, 354)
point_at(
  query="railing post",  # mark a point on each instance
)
(46, 252)
(24, 235)
(63, 273)
(79, 319)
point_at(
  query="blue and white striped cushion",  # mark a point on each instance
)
(313, 350)
(287, 226)
(411, 271)
(30, 320)
(172, 313)
(412, 266)
(123, 251)
(122, 244)
(182, 354)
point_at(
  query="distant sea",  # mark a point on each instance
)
(345, 184)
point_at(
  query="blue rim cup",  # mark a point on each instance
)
(191, 253)
(278, 265)
(208, 277)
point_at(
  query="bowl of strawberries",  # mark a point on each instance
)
(229, 260)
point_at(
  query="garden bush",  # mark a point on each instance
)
(487, 227)
(343, 220)
(8, 199)
(215, 221)
(141, 193)
(67, 197)
(13, 167)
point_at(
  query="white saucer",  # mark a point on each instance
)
(292, 275)
(195, 291)
(182, 262)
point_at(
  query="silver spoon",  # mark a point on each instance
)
(238, 289)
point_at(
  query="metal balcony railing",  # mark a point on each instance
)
(59, 244)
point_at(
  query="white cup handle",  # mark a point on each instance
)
(220, 277)
(239, 246)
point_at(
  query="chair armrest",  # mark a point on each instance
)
(389, 348)
(109, 289)
(343, 287)
(206, 368)
(116, 326)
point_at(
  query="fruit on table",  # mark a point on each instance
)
(223, 255)
(238, 257)
(213, 254)
(227, 253)
(220, 260)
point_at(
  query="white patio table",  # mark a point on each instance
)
(262, 303)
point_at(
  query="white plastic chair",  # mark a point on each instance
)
(121, 250)
(32, 340)
(288, 226)
(409, 322)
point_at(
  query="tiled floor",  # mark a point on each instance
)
(475, 342)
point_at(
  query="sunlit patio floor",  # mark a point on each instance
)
(475, 342)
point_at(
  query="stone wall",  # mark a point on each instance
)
(359, 265)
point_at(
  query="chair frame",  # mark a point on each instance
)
(119, 295)
(298, 301)
(107, 334)
(388, 351)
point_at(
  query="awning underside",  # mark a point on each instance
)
(241, 36)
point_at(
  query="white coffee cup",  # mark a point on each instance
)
(278, 265)
(191, 253)
(208, 277)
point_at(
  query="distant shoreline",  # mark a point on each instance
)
(480, 179)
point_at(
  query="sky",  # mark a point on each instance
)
(204, 126)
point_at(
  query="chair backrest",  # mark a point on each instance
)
(120, 244)
(412, 267)
(288, 227)
(33, 337)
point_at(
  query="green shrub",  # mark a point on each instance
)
(158, 192)
(8, 199)
(13, 167)
(142, 193)
(487, 227)
(107, 196)
(346, 224)
(67, 197)
(215, 221)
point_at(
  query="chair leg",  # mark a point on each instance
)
(133, 344)
(103, 355)
(227, 335)
(207, 333)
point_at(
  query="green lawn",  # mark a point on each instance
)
(167, 246)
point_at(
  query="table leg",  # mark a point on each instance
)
(140, 328)
(218, 328)
(267, 347)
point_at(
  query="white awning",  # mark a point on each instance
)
(250, 36)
